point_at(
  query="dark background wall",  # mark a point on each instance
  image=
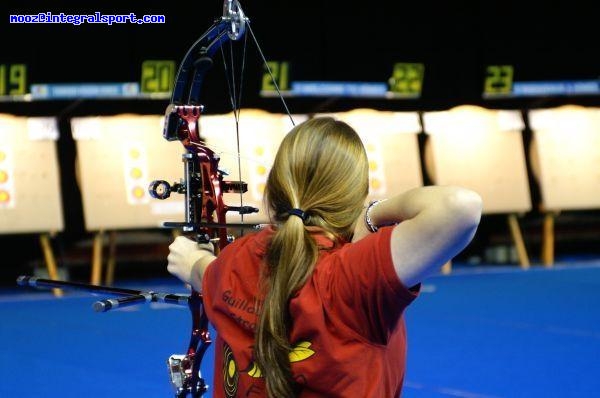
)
(323, 40)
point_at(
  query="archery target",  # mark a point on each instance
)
(480, 149)
(565, 152)
(30, 195)
(117, 158)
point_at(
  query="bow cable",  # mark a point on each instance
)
(266, 64)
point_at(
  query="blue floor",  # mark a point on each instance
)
(507, 333)
(478, 333)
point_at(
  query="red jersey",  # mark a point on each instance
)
(348, 333)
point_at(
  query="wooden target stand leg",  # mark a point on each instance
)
(97, 246)
(97, 258)
(50, 260)
(447, 268)
(517, 237)
(548, 240)
(111, 260)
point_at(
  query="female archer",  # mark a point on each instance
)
(312, 306)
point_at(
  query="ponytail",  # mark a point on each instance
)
(319, 178)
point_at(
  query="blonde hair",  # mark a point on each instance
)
(321, 168)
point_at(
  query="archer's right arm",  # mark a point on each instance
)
(435, 223)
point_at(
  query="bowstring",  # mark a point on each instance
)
(236, 99)
(266, 64)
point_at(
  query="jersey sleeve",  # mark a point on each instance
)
(369, 296)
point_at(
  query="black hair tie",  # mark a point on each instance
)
(299, 213)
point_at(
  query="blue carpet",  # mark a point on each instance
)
(477, 333)
(507, 333)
